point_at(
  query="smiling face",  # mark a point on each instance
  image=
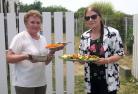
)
(33, 24)
(32, 21)
(92, 19)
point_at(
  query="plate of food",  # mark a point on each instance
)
(79, 58)
(56, 45)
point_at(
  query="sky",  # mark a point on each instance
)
(126, 6)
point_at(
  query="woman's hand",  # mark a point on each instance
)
(49, 57)
(108, 60)
(102, 61)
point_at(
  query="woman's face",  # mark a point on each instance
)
(33, 24)
(92, 19)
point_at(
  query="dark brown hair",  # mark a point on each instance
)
(99, 14)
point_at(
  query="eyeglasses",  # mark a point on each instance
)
(87, 18)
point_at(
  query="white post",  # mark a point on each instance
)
(135, 45)
(47, 33)
(3, 63)
(21, 22)
(11, 6)
(58, 34)
(70, 50)
(11, 32)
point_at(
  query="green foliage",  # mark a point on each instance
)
(54, 9)
(37, 5)
(129, 40)
(116, 20)
(105, 8)
(79, 13)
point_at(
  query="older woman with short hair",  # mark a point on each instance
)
(29, 73)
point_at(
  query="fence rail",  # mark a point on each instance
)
(12, 29)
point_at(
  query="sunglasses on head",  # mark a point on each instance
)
(87, 18)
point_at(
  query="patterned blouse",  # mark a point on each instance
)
(112, 45)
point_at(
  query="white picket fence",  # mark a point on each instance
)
(135, 46)
(58, 72)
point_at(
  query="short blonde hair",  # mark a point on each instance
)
(34, 13)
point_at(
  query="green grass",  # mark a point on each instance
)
(128, 86)
(79, 85)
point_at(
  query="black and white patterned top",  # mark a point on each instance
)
(112, 45)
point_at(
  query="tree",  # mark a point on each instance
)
(37, 5)
(54, 9)
(116, 20)
(80, 12)
(105, 8)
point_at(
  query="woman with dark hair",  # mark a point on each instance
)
(102, 76)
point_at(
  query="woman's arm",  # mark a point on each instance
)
(14, 58)
(117, 48)
(108, 60)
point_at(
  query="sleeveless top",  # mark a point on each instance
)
(97, 72)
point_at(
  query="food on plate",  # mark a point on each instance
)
(78, 57)
(55, 45)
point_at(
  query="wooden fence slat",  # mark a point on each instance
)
(3, 64)
(70, 50)
(135, 45)
(21, 22)
(47, 33)
(11, 32)
(58, 33)
(133, 58)
(136, 62)
(11, 26)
